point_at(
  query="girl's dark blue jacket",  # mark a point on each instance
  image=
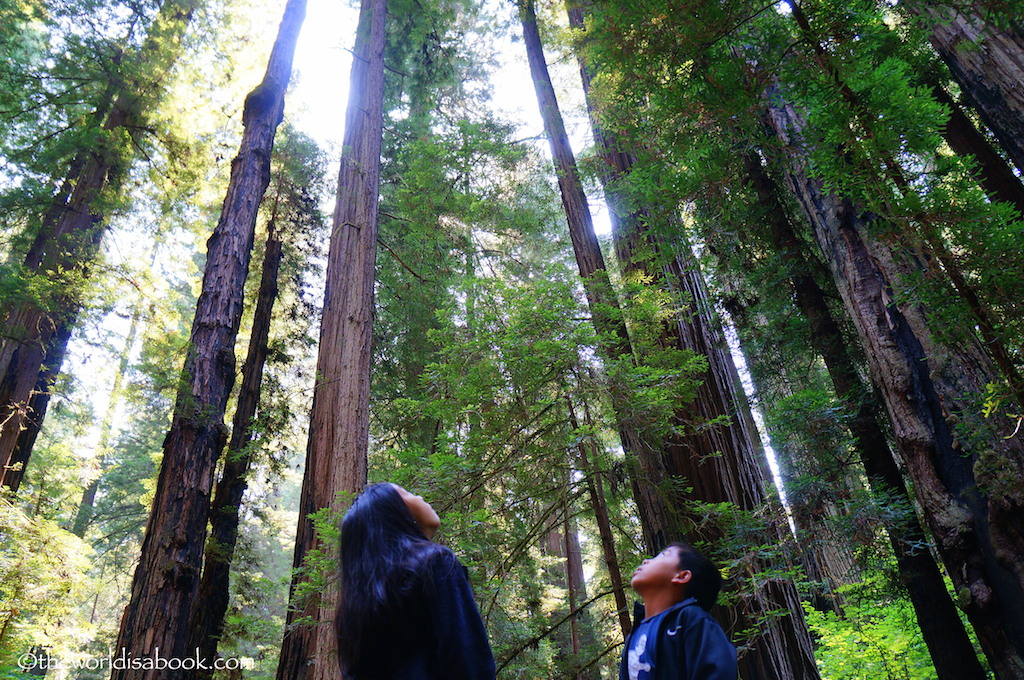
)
(439, 634)
(688, 645)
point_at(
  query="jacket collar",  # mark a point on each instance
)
(639, 611)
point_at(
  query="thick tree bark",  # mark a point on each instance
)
(339, 422)
(987, 61)
(601, 298)
(938, 261)
(225, 511)
(35, 411)
(167, 578)
(968, 490)
(948, 643)
(69, 237)
(724, 463)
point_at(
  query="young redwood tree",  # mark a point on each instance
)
(166, 580)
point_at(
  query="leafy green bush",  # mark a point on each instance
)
(875, 637)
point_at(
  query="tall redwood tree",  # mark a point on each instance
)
(340, 419)
(166, 580)
(967, 489)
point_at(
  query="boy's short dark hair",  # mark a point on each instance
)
(705, 579)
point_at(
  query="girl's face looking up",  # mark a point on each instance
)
(424, 515)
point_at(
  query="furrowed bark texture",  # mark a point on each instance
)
(948, 643)
(939, 261)
(987, 61)
(69, 238)
(339, 422)
(968, 489)
(601, 298)
(167, 578)
(724, 463)
(212, 602)
(35, 411)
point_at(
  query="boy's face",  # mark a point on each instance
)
(660, 571)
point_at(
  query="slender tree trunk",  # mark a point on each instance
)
(339, 422)
(225, 511)
(167, 578)
(574, 577)
(987, 61)
(603, 304)
(724, 463)
(69, 238)
(948, 643)
(595, 489)
(85, 508)
(994, 175)
(969, 490)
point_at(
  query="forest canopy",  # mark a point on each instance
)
(594, 277)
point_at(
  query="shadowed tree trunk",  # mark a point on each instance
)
(36, 336)
(994, 175)
(339, 422)
(969, 490)
(987, 61)
(939, 262)
(225, 511)
(722, 463)
(951, 649)
(167, 578)
(31, 417)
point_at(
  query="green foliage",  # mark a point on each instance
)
(875, 636)
(43, 582)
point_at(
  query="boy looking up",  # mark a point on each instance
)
(677, 638)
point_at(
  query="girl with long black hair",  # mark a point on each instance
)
(406, 610)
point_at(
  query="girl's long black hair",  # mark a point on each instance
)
(381, 546)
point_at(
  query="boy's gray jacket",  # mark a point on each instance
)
(689, 645)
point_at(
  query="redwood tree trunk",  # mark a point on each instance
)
(35, 409)
(595, 489)
(601, 298)
(167, 578)
(994, 175)
(987, 61)
(339, 422)
(69, 237)
(969, 490)
(724, 463)
(948, 643)
(212, 601)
